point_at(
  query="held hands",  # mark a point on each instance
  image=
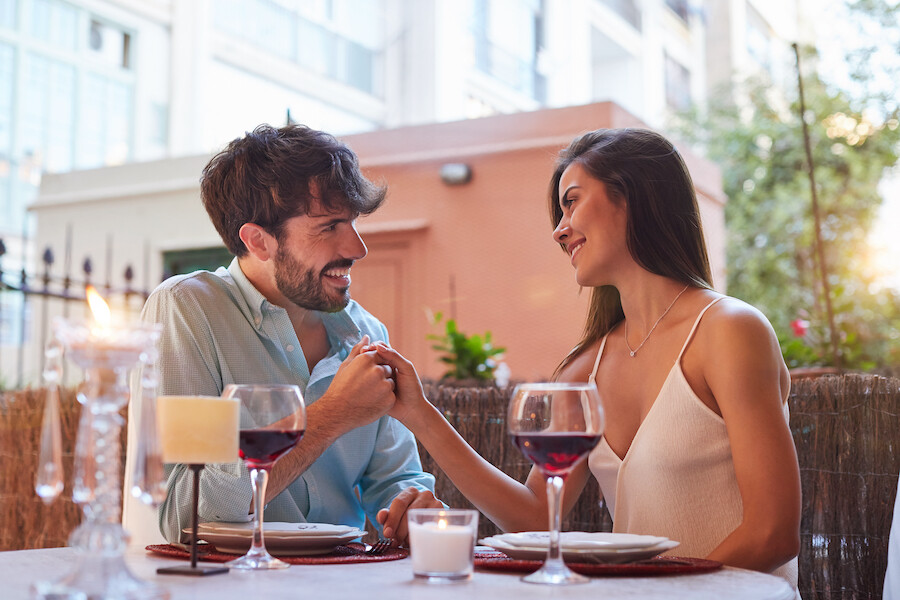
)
(393, 519)
(408, 387)
(363, 387)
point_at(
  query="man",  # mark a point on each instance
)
(285, 202)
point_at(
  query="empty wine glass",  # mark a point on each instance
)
(273, 419)
(555, 425)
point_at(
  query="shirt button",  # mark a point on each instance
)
(258, 320)
(289, 348)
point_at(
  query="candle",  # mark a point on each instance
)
(442, 543)
(198, 429)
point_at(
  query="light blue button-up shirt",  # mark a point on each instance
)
(219, 329)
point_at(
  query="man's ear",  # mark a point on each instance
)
(260, 244)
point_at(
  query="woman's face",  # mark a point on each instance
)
(592, 227)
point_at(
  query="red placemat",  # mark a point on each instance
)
(660, 565)
(351, 553)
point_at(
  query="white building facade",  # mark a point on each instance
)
(88, 84)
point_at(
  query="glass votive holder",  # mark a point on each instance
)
(442, 543)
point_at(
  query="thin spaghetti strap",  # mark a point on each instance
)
(694, 328)
(597, 362)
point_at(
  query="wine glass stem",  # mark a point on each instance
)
(259, 478)
(554, 508)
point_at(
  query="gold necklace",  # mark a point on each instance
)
(644, 341)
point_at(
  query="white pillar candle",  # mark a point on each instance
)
(440, 548)
(198, 429)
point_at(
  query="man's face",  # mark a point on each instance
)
(312, 265)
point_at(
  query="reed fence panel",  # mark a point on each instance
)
(25, 521)
(847, 432)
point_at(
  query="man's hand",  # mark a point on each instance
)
(362, 389)
(361, 392)
(393, 519)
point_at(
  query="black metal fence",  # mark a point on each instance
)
(55, 290)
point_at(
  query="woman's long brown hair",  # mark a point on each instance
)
(663, 230)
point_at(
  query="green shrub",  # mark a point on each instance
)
(467, 357)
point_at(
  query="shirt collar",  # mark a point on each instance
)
(256, 303)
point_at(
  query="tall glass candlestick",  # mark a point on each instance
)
(105, 353)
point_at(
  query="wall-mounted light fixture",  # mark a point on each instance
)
(456, 173)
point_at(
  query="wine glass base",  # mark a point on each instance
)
(555, 576)
(261, 561)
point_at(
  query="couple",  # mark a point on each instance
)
(696, 448)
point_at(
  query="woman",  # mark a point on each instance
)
(697, 446)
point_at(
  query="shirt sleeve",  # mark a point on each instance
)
(395, 463)
(188, 365)
(394, 466)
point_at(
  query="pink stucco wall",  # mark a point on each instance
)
(490, 237)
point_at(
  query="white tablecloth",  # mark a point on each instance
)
(387, 580)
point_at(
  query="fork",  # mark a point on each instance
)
(379, 547)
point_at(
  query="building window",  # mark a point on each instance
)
(66, 101)
(104, 131)
(680, 8)
(7, 77)
(47, 116)
(508, 38)
(627, 9)
(678, 85)
(339, 39)
(109, 45)
(177, 262)
(759, 40)
(8, 14)
(54, 23)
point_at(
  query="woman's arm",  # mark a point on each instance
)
(745, 372)
(513, 506)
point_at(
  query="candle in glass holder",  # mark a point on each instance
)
(198, 429)
(442, 543)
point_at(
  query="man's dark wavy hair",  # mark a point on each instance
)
(272, 174)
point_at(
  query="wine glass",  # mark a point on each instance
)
(273, 419)
(555, 425)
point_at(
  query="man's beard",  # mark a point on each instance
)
(303, 286)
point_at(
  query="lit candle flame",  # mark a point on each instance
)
(99, 307)
(442, 524)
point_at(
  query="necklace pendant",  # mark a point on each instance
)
(632, 352)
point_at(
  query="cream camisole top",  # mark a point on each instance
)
(677, 478)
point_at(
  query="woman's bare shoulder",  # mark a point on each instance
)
(738, 340)
(731, 316)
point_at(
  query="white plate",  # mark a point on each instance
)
(279, 529)
(280, 541)
(609, 555)
(581, 540)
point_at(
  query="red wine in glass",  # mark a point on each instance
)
(273, 419)
(555, 453)
(260, 448)
(555, 424)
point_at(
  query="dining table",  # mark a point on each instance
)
(21, 569)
